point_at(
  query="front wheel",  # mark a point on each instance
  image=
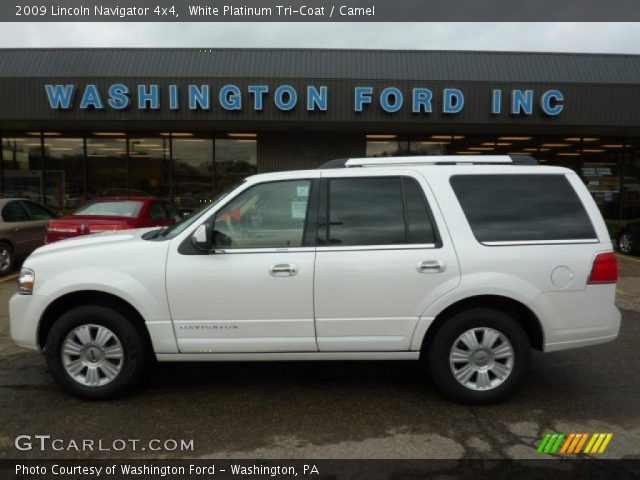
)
(95, 352)
(479, 356)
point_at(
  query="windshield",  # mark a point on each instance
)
(126, 208)
(177, 228)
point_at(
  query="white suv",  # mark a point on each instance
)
(467, 264)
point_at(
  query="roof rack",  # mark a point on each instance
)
(431, 160)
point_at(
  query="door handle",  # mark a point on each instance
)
(15, 229)
(432, 266)
(283, 269)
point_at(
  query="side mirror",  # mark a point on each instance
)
(202, 238)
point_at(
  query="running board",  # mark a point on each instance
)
(284, 356)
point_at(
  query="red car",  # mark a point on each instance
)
(112, 213)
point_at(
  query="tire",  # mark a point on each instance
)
(96, 371)
(6, 258)
(627, 243)
(484, 384)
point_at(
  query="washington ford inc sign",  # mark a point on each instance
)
(120, 96)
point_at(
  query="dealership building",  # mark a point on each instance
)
(185, 124)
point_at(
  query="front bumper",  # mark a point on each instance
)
(25, 312)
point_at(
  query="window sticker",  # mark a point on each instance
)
(299, 209)
(303, 191)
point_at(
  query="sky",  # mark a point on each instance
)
(548, 37)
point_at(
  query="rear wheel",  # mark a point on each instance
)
(95, 352)
(6, 258)
(626, 243)
(479, 356)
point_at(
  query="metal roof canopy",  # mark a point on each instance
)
(479, 66)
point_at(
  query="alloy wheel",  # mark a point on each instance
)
(626, 243)
(481, 358)
(92, 355)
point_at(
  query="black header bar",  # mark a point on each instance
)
(320, 11)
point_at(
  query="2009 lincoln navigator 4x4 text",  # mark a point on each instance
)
(466, 264)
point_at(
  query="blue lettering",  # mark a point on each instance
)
(362, 96)
(422, 100)
(258, 92)
(118, 96)
(317, 98)
(453, 100)
(230, 98)
(496, 102)
(551, 102)
(522, 102)
(385, 101)
(60, 96)
(150, 98)
(199, 97)
(279, 97)
(91, 98)
(173, 97)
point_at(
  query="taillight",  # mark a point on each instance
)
(604, 269)
(106, 227)
(62, 227)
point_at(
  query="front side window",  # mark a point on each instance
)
(520, 207)
(378, 211)
(268, 215)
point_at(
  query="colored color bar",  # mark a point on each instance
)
(565, 447)
(543, 443)
(599, 440)
(594, 437)
(557, 444)
(577, 438)
(582, 440)
(550, 443)
(606, 441)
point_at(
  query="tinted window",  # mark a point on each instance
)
(267, 215)
(157, 212)
(366, 211)
(503, 208)
(14, 212)
(126, 208)
(38, 212)
(418, 216)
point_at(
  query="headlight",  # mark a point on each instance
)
(26, 281)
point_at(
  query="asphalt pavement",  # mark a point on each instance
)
(327, 410)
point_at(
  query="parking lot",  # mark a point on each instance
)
(333, 410)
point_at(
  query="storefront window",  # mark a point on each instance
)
(22, 164)
(64, 172)
(387, 145)
(107, 166)
(430, 145)
(631, 183)
(149, 164)
(192, 172)
(235, 159)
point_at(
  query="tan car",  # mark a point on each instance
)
(23, 225)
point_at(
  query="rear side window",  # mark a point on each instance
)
(515, 208)
(378, 211)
